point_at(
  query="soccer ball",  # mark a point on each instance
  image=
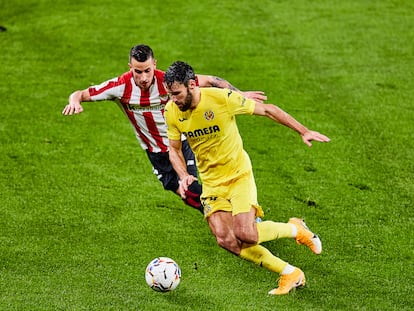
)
(163, 274)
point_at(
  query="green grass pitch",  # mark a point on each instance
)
(81, 214)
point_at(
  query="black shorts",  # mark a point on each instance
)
(164, 171)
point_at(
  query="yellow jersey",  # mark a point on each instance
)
(212, 133)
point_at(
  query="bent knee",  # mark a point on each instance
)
(246, 235)
(232, 245)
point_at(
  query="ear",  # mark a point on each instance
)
(192, 84)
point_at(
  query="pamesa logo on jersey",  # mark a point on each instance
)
(202, 132)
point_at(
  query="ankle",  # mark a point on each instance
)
(288, 269)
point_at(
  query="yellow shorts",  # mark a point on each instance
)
(236, 196)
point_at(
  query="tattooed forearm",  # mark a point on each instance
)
(221, 83)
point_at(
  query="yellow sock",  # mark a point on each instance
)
(261, 256)
(269, 230)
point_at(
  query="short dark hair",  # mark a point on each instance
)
(180, 72)
(141, 53)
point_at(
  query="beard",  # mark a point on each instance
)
(187, 102)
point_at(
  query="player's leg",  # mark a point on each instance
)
(245, 227)
(244, 197)
(165, 173)
(217, 211)
(189, 158)
(221, 225)
(290, 276)
(270, 230)
(295, 228)
(193, 196)
(245, 209)
(194, 190)
(303, 235)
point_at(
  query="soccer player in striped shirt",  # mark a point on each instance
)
(141, 95)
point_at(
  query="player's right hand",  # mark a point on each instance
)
(184, 183)
(257, 96)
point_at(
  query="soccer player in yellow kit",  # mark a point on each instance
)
(207, 118)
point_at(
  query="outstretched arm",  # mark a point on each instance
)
(278, 115)
(75, 100)
(178, 162)
(213, 81)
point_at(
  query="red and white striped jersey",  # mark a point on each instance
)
(144, 109)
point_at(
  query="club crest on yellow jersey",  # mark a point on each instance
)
(209, 115)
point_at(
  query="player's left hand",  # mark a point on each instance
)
(257, 96)
(316, 136)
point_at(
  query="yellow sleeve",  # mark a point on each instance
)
(239, 104)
